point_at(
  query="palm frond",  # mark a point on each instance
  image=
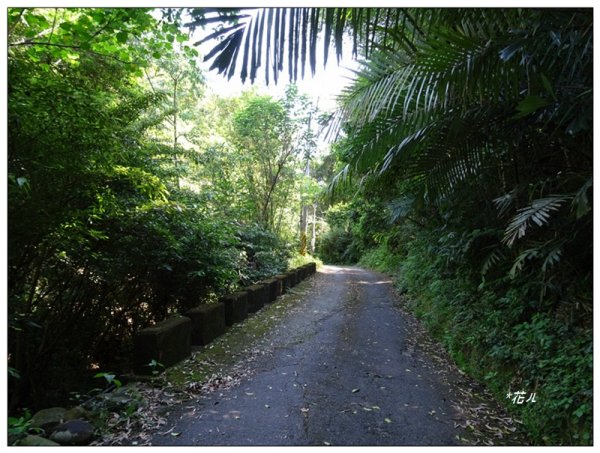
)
(494, 257)
(580, 200)
(305, 30)
(400, 208)
(538, 213)
(504, 202)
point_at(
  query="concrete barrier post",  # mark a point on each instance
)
(273, 289)
(283, 280)
(236, 307)
(257, 295)
(291, 278)
(166, 342)
(208, 322)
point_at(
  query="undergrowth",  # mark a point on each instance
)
(498, 335)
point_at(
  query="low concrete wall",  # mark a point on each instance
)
(273, 289)
(236, 307)
(298, 273)
(292, 278)
(309, 269)
(167, 342)
(303, 272)
(257, 295)
(283, 282)
(208, 322)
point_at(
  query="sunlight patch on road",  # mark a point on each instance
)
(381, 282)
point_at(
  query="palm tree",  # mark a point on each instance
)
(484, 97)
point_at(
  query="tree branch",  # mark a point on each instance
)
(16, 21)
(67, 46)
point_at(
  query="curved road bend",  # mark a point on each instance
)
(342, 374)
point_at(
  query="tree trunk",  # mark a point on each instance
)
(175, 156)
(313, 238)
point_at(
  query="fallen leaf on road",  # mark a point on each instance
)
(166, 432)
(355, 390)
(387, 420)
(175, 434)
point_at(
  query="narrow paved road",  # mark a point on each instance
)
(342, 373)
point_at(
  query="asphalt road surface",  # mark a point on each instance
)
(342, 373)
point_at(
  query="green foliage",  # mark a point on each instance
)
(297, 260)
(102, 239)
(156, 367)
(19, 427)
(475, 133)
(276, 35)
(264, 254)
(354, 228)
(270, 136)
(381, 259)
(497, 333)
(110, 378)
(336, 246)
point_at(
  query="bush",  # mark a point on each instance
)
(337, 246)
(97, 286)
(262, 253)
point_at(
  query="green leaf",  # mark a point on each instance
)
(529, 105)
(122, 37)
(508, 52)
(548, 86)
(581, 201)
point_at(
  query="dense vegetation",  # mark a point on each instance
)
(132, 193)
(473, 146)
(463, 166)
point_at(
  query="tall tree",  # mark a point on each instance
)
(271, 135)
(179, 82)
